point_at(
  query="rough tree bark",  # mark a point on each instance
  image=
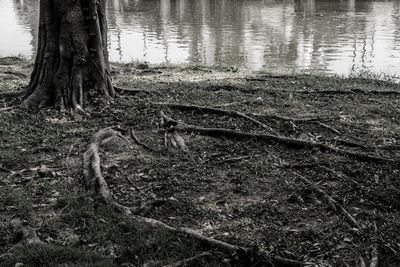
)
(72, 55)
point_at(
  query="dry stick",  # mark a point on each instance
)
(95, 182)
(374, 252)
(331, 202)
(216, 111)
(6, 109)
(189, 261)
(362, 262)
(328, 127)
(289, 142)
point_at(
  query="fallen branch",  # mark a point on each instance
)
(215, 111)
(289, 142)
(95, 182)
(331, 202)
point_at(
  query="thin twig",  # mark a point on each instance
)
(189, 261)
(331, 202)
(374, 252)
(362, 262)
(7, 108)
(328, 127)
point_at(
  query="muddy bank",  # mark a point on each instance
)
(246, 191)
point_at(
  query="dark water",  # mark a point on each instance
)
(330, 36)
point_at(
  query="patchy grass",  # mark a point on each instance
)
(242, 192)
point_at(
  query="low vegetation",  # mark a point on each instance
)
(312, 176)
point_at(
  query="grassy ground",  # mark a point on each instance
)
(243, 192)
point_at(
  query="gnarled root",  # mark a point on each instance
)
(95, 182)
(331, 202)
(29, 236)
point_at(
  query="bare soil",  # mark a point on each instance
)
(244, 192)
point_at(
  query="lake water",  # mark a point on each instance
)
(330, 36)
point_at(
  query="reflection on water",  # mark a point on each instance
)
(332, 36)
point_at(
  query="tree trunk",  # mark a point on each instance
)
(72, 55)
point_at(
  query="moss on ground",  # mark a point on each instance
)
(242, 192)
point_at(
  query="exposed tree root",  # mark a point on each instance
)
(347, 143)
(95, 182)
(331, 202)
(140, 143)
(347, 92)
(132, 90)
(215, 111)
(29, 236)
(289, 142)
(247, 117)
(339, 174)
(331, 91)
(305, 119)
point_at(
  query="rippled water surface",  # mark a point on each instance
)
(331, 36)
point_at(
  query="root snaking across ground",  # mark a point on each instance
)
(208, 169)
